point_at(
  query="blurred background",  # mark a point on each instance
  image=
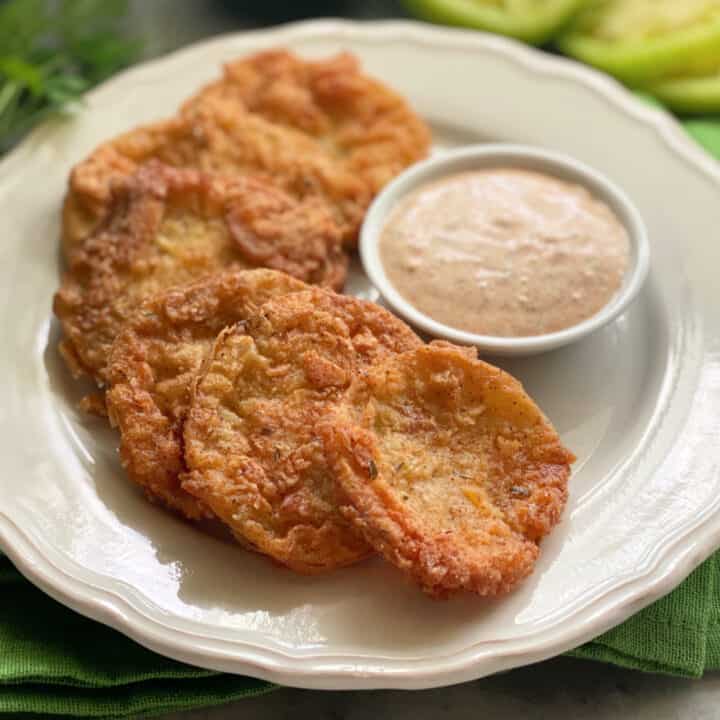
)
(52, 51)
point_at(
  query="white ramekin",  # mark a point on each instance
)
(506, 155)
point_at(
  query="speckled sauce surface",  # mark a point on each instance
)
(505, 251)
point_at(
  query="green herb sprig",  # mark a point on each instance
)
(51, 52)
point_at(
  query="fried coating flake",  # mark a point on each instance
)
(368, 126)
(448, 469)
(154, 361)
(250, 441)
(168, 227)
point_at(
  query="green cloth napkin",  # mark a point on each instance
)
(56, 662)
(677, 635)
(707, 132)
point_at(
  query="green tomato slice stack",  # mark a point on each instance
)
(646, 41)
(534, 21)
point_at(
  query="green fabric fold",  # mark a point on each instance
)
(129, 701)
(53, 661)
(706, 131)
(677, 635)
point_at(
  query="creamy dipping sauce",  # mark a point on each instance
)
(505, 252)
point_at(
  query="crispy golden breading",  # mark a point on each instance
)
(448, 469)
(217, 138)
(168, 227)
(367, 125)
(250, 440)
(154, 361)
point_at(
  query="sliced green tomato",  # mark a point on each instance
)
(642, 40)
(533, 21)
(699, 94)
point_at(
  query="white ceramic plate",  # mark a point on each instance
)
(638, 401)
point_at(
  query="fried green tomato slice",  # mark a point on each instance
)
(692, 94)
(216, 139)
(365, 125)
(448, 469)
(168, 227)
(638, 41)
(154, 361)
(533, 21)
(251, 445)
